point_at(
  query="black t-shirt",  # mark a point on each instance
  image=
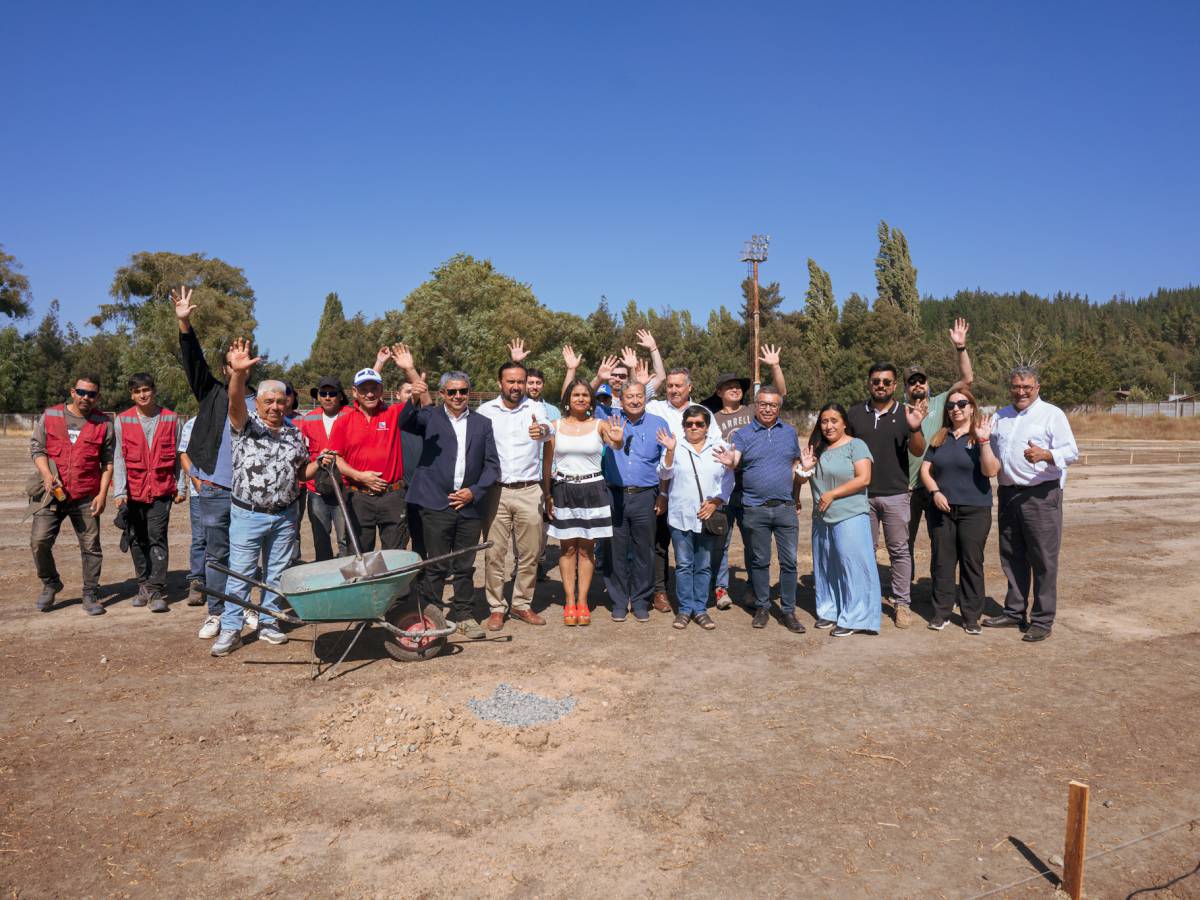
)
(955, 467)
(887, 437)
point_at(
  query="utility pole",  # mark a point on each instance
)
(754, 251)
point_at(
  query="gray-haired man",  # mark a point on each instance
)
(1034, 443)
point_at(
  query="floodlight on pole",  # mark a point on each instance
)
(754, 251)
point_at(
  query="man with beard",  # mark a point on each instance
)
(917, 388)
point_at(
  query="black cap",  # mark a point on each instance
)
(713, 402)
(328, 382)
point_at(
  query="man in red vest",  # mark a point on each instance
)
(317, 427)
(146, 481)
(72, 447)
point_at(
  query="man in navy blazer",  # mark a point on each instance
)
(458, 464)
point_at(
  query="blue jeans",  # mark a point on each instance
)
(720, 566)
(780, 523)
(196, 554)
(847, 579)
(254, 536)
(214, 514)
(693, 568)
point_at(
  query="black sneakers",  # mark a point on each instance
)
(792, 624)
(841, 632)
(762, 616)
(1036, 633)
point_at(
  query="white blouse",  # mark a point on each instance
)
(716, 482)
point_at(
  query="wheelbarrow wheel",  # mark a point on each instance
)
(406, 618)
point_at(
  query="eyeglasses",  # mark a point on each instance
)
(327, 394)
(958, 404)
(695, 424)
(621, 375)
(1023, 388)
(456, 392)
(764, 405)
(916, 379)
(80, 392)
(883, 382)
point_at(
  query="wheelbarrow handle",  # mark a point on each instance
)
(423, 563)
(417, 635)
(253, 607)
(225, 570)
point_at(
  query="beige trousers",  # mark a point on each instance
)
(509, 513)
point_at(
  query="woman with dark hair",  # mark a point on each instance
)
(700, 486)
(580, 504)
(837, 466)
(957, 470)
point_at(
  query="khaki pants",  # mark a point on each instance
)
(509, 512)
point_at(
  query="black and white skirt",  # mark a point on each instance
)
(582, 509)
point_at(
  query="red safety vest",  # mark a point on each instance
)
(149, 470)
(78, 463)
(313, 429)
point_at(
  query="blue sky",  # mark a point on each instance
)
(617, 149)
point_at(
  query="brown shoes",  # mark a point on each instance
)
(495, 621)
(903, 615)
(528, 616)
(660, 602)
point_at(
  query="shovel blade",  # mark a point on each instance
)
(369, 565)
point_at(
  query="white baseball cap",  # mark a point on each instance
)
(365, 375)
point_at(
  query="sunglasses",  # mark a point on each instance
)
(328, 394)
(958, 404)
(80, 392)
(695, 425)
(883, 382)
(456, 392)
(916, 379)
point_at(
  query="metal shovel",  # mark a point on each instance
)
(363, 566)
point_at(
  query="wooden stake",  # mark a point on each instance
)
(1076, 843)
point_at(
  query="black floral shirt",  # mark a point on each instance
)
(266, 463)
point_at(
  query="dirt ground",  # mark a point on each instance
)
(726, 764)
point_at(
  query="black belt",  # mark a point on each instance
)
(638, 490)
(578, 478)
(773, 502)
(519, 484)
(269, 510)
(1030, 487)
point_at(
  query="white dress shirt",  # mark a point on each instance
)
(459, 424)
(716, 481)
(674, 417)
(1047, 427)
(520, 455)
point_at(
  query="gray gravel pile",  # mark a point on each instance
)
(509, 706)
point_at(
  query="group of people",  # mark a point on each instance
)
(619, 477)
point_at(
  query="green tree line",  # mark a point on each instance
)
(465, 313)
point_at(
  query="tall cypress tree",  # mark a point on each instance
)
(895, 275)
(819, 303)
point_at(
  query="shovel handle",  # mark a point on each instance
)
(351, 532)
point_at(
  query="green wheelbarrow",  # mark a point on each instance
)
(319, 592)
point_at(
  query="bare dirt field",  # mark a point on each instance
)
(728, 764)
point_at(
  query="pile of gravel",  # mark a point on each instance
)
(509, 706)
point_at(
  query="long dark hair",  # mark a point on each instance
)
(816, 440)
(566, 397)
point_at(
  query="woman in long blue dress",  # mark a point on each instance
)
(837, 466)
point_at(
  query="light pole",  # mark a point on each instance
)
(754, 251)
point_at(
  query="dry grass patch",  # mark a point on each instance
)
(1163, 428)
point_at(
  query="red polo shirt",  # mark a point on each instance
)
(371, 443)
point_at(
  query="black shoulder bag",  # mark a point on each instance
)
(718, 523)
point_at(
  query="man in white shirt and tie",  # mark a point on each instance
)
(1034, 444)
(514, 504)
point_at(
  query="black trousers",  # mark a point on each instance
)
(149, 524)
(628, 558)
(443, 531)
(385, 513)
(1030, 537)
(919, 503)
(958, 539)
(662, 547)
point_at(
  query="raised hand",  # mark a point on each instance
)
(983, 431)
(770, 355)
(629, 357)
(646, 339)
(666, 439)
(958, 334)
(914, 413)
(727, 456)
(516, 350)
(538, 430)
(606, 367)
(570, 357)
(641, 372)
(808, 459)
(419, 389)
(238, 357)
(616, 430)
(182, 298)
(402, 356)
(384, 354)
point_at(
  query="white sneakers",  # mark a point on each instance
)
(210, 629)
(251, 619)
